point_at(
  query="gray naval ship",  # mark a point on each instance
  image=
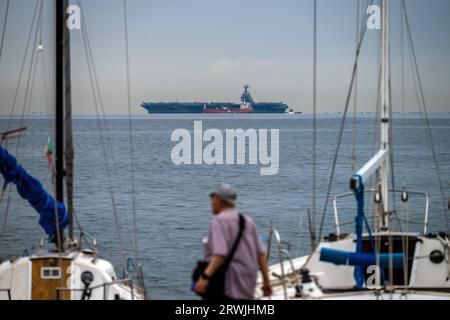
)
(199, 107)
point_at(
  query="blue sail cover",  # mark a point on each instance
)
(31, 189)
(359, 259)
(359, 220)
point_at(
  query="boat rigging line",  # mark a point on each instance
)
(23, 64)
(342, 126)
(5, 23)
(107, 144)
(31, 79)
(405, 207)
(355, 92)
(98, 102)
(130, 131)
(312, 218)
(35, 23)
(102, 123)
(424, 111)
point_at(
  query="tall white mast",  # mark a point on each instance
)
(385, 108)
(380, 161)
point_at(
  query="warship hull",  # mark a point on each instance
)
(198, 107)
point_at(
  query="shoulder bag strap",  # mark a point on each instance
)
(237, 241)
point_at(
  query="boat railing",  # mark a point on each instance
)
(404, 197)
(8, 292)
(77, 244)
(281, 254)
(103, 286)
(86, 236)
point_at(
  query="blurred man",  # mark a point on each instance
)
(232, 233)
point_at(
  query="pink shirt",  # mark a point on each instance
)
(240, 278)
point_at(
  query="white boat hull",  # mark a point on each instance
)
(426, 279)
(48, 276)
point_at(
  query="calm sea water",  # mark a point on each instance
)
(172, 203)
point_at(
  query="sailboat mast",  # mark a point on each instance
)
(59, 100)
(69, 150)
(385, 109)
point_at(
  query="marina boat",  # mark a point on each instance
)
(376, 262)
(59, 267)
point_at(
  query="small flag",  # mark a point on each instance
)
(49, 152)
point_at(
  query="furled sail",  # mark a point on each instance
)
(32, 190)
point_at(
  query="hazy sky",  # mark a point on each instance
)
(206, 50)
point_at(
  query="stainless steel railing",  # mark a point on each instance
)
(281, 254)
(338, 224)
(104, 286)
